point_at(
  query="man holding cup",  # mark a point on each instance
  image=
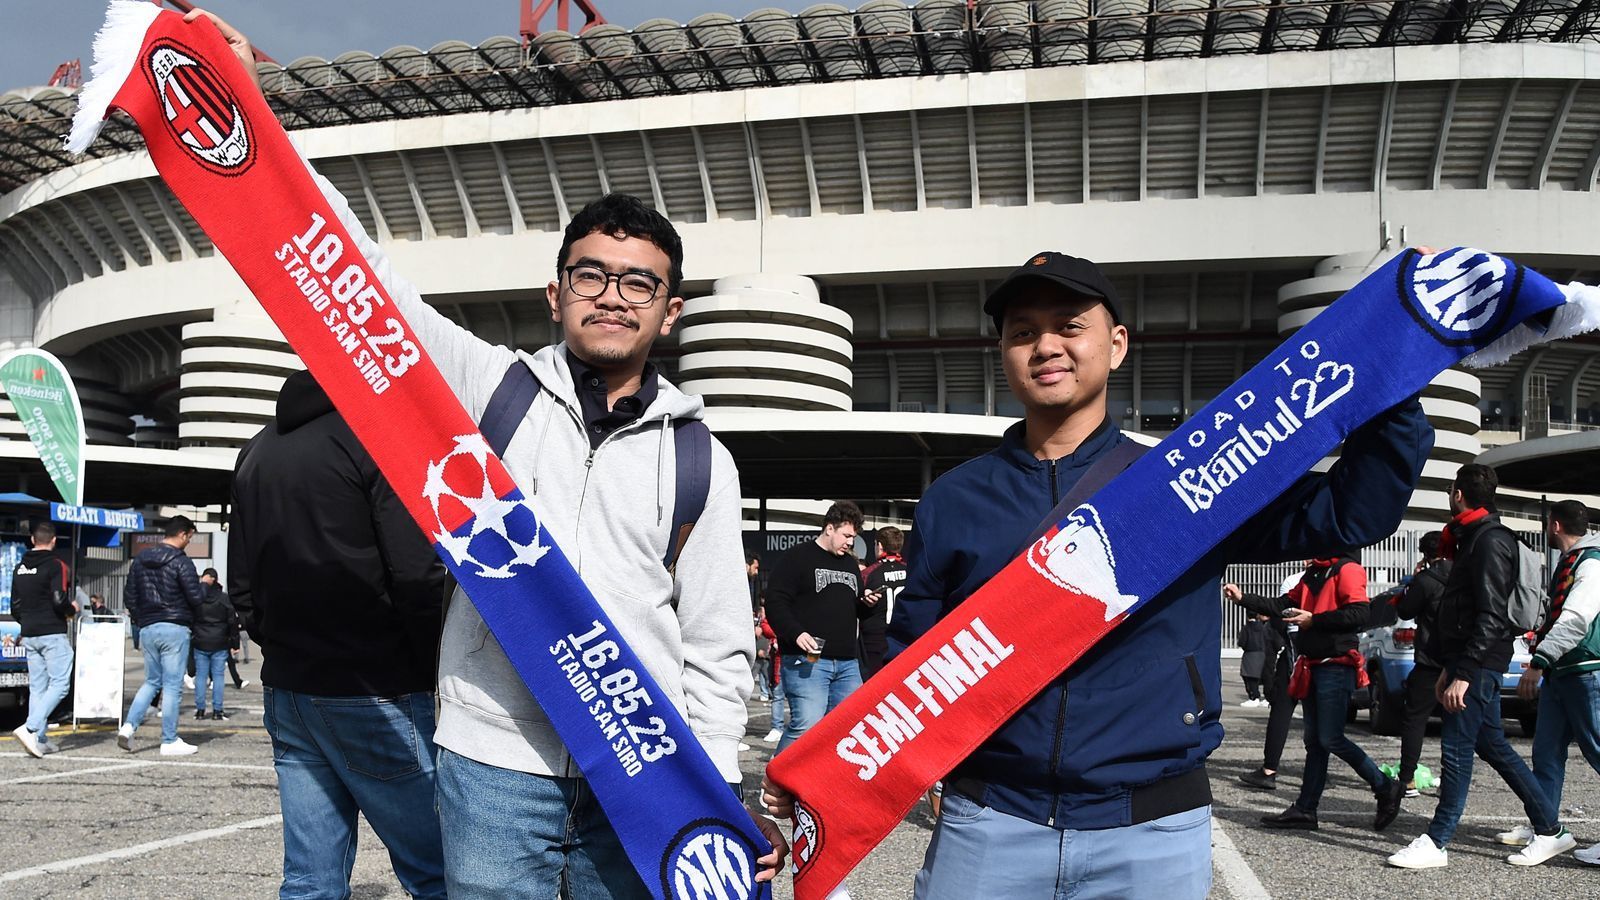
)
(814, 603)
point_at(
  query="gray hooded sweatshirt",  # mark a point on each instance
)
(610, 511)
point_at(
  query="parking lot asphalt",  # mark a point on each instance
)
(96, 822)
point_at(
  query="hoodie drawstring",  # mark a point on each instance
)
(538, 454)
(661, 459)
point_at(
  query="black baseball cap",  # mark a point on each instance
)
(1079, 276)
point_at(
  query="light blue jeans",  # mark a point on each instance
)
(514, 836)
(49, 676)
(208, 668)
(979, 852)
(335, 756)
(1569, 712)
(812, 689)
(166, 652)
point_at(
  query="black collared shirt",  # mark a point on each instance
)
(599, 420)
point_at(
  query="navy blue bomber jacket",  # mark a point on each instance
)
(1145, 703)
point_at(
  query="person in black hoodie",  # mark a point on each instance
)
(213, 624)
(345, 596)
(1420, 603)
(41, 605)
(162, 595)
(1475, 634)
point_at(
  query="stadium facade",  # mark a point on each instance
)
(848, 184)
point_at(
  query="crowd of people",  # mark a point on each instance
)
(386, 694)
(1474, 592)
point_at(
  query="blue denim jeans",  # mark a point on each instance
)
(814, 688)
(1569, 712)
(979, 852)
(335, 756)
(1324, 709)
(166, 652)
(208, 667)
(49, 676)
(1477, 729)
(516, 836)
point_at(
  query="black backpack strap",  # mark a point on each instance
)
(508, 406)
(691, 442)
(1089, 483)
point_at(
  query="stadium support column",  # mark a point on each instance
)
(1450, 400)
(766, 342)
(233, 368)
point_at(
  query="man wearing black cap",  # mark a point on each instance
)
(1099, 783)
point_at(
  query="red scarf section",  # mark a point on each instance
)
(1300, 678)
(1452, 531)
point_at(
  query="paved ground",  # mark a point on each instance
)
(94, 822)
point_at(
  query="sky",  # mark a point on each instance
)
(38, 35)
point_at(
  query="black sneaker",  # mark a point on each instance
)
(1389, 797)
(220, 716)
(1260, 780)
(1293, 817)
(199, 714)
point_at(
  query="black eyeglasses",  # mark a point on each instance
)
(589, 282)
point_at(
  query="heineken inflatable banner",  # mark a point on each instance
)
(41, 392)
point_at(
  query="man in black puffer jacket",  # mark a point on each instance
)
(163, 595)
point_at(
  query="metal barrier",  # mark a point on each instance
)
(1386, 562)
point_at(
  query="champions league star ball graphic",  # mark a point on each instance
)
(504, 534)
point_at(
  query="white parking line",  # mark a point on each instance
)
(68, 774)
(1236, 873)
(137, 849)
(67, 755)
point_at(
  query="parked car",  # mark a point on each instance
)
(1511, 706)
(1389, 646)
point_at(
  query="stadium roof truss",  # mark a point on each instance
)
(823, 43)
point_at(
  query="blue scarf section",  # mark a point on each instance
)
(684, 829)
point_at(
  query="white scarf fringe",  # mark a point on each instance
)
(116, 50)
(1579, 314)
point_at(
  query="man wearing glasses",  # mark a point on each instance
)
(595, 456)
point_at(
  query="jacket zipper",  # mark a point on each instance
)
(588, 467)
(1061, 709)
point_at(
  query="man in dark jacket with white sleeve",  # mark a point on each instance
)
(163, 594)
(1099, 782)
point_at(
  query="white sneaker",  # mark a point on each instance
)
(46, 748)
(1421, 853)
(773, 736)
(178, 748)
(28, 740)
(1543, 847)
(743, 747)
(1516, 837)
(1248, 704)
(188, 682)
(1590, 856)
(244, 684)
(125, 737)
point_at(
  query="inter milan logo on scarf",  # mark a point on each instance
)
(708, 860)
(1461, 294)
(200, 109)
